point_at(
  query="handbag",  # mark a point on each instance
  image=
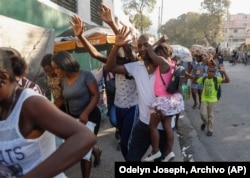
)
(109, 86)
(176, 80)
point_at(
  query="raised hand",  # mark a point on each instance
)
(105, 14)
(121, 37)
(222, 68)
(163, 39)
(77, 25)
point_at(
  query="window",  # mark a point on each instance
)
(235, 30)
(70, 5)
(94, 8)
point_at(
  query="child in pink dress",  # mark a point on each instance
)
(165, 105)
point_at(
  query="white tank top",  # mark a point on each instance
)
(17, 154)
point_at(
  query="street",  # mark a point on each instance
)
(231, 138)
(230, 141)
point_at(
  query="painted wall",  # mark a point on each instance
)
(45, 14)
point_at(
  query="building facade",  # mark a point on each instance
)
(55, 14)
(236, 31)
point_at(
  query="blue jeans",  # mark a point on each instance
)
(140, 142)
(126, 117)
(112, 116)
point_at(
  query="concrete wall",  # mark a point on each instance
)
(45, 14)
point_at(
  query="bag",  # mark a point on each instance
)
(217, 87)
(177, 79)
(186, 91)
(109, 87)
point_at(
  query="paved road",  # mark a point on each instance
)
(230, 141)
(230, 117)
(110, 154)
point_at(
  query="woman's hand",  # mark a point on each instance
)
(121, 37)
(158, 114)
(77, 25)
(105, 14)
(84, 118)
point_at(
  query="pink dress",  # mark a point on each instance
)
(169, 104)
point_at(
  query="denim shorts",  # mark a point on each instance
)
(196, 86)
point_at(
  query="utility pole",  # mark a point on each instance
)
(160, 18)
(161, 10)
(227, 28)
(159, 22)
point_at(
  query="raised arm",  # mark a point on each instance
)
(106, 16)
(78, 28)
(158, 60)
(226, 78)
(120, 40)
(163, 39)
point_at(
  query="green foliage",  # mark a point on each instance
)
(194, 28)
(184, 30)
(145, 21)
(136, 9)
(216, 10)
(216, 7)
(142, 6)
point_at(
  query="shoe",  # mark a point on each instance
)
(152, 157)
(194, 106)
(97, 157)
(209, 133)
(203, 126)
(169, 157)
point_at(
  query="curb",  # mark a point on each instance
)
(192, 148)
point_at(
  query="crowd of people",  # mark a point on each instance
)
(68, 108)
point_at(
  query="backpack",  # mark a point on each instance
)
(177, 79)
(217, 87)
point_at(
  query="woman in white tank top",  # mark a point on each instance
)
(28, 125)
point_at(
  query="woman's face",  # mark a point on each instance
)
(5, 86)
(50, 72)
(59, 72)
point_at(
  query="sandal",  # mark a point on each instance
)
(97, 156)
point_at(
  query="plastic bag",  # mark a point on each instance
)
(186, 91)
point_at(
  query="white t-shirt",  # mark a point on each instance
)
(145, 87)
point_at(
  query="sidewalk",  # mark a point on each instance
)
(108, 143)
